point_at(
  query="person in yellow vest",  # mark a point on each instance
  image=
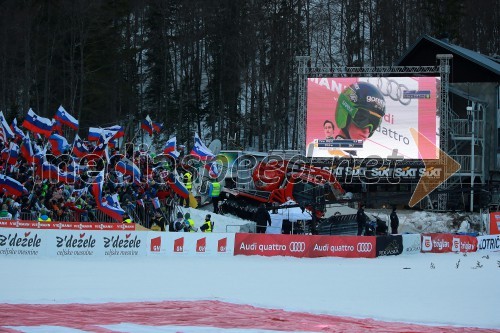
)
(214, 193)
(44, 217)
(189, 224)
(188, 182)
(208, 226)
(126, 218)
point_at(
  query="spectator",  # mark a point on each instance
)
(263, 219)
(178, 224)
(208, 225)
(188, 182)
(158, 220)
(361, 219)
(44, 216)
(189, 223)
(126, 218)
(4, 213)
(394, 222)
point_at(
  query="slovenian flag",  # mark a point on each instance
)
(108, 133)
(80, 149)
(12, 186)
(200, 150)
(110, 206)
(5, 130)
(157, 127)
(147, 125)
(178, 187)
(17, 131)
(213, 169)
(27, 150)
(64, 117)
(40, 155)
(171, 148)
(127, 167)
(117, 131)
(95, 134)
(156, 203)
(13, 153)
(37, 124)
(58, 143)
(48, 171)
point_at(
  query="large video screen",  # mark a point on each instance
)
(362, 117)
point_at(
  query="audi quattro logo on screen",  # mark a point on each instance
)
(297, 246)
(364, 247)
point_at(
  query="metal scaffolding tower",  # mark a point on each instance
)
(305, 71)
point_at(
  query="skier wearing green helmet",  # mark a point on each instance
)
(359, 112)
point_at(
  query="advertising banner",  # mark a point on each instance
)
(361, 117)
(305, 246)
(190, 243)
(442, 243)
(488, 243)
(67, 225)
(22, 242)
(390, 245)
(411, 243)
(494, 223)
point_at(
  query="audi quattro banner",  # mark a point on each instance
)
(67, 225)
(190, 243)
(305, 246)
(441, 243)
(22, 242)
(391, 245)
(387, 106)
(488, 243)
(411, 243)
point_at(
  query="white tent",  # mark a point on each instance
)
(292, 214)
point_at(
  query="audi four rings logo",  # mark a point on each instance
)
(297, 246)
(393, 90)
(364, 247)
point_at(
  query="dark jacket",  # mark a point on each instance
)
(361, 217)
(394, 220)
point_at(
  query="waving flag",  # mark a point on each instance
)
(108, 133)
(200, 150)
(64, 117)
(26, 149)
(127, 167)
(157, 127)
(80, 149)
(40, 155)
(156, 202)
(110, 205)
(213, 169)
(17, 131)
(5, 130)
(58, 143)
(117, 131)
(12, 186)
(56, 126)
(171, 148)
(178, 187)
(37, 124)
(48, 171)
(13, 154)
(147, 125)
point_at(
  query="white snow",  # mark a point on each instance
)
(401, 288)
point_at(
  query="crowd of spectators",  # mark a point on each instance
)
(75, 201)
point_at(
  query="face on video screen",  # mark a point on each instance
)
(380, 111)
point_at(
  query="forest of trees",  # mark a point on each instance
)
(223, 68)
